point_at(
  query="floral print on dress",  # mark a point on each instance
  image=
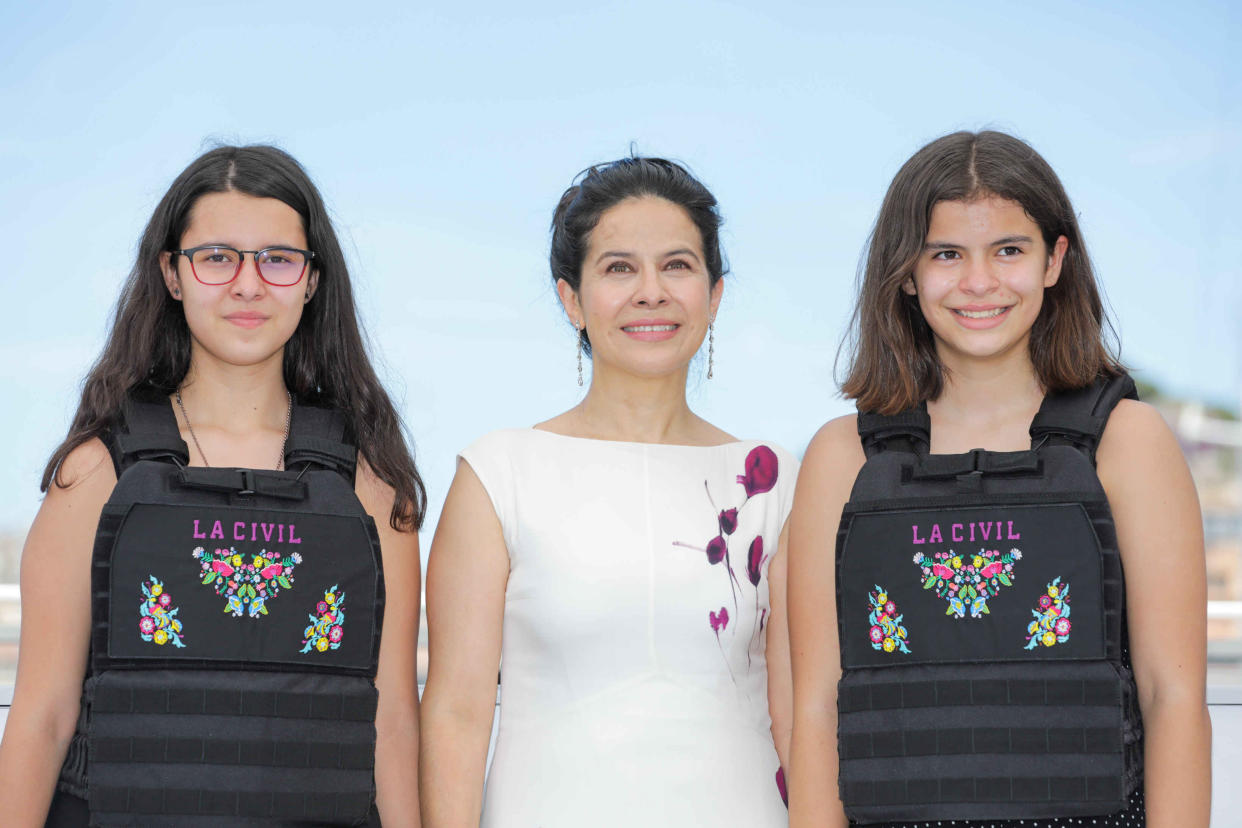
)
(158, 623)
(761, 469)
(966, 582)
(327, 626)
(886, 632)
(246, 582)
(1051, 625)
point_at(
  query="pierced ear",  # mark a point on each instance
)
(312, 285)
(172, 279)
(908, 285)
(716, 295)
(569, 301)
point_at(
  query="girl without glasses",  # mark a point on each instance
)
(628, 551)
(231, 641)
(953, 685)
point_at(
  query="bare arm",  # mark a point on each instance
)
(1160, 535)
(53, 647)
(832, 462)
(466, 577)
(780, 680)
(396, 718)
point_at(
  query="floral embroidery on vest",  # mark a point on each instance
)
(886, 632)
(327, 627)
(966, 582)
(246, 582)
(1051, 625)
(761, 469)
(159, 623)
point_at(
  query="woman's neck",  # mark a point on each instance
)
(638, 410)
(236, 400)
(985, 405)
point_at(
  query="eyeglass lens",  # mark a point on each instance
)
(277, 265)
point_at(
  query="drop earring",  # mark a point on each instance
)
(579, 330)
(711, 347)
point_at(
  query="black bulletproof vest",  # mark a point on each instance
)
(969, 689)
(235, 628)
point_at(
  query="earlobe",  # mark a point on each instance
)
(1055, 260)
(172, 280)
(312, 284)
(569, 301)
(717, 294)
(909, 287)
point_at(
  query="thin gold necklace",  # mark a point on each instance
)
(280, 458)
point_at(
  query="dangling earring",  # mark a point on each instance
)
(711, 346)
(579, 330)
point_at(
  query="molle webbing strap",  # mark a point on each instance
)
(1059, 790)
(146, 431)
(317, 436)
(258, 752)
(178, 747)
(1078, 417)
(974, 692)
(345, 707)
(908, 430)
(315, 808)
(954, 741)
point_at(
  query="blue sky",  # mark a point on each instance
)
(441, 139)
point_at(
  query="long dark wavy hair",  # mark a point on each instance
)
(890, 349)
(597, 189)
(325, 361)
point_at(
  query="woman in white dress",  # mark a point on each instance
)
(625, 558)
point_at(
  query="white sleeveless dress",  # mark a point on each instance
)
(633, 679)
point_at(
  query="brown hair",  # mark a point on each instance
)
(891, 352)
(325, 361)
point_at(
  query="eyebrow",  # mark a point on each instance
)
(935, 245)
(625, 254)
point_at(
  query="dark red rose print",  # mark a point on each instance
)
(761, 471)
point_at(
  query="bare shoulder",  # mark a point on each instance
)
(89, 465)
(835, 449)
(371, 490)
(1141, 466)
(1136, 437)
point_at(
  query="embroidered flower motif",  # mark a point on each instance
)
(157, 622)
(1051, 625)
(246, 586)
(967, 582)
(886, 632)
(328, 627)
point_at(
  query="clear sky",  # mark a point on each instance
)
(442, 135)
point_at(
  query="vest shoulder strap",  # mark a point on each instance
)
(908, 430)
(319, 437)
(146, 430)
(1077, 418)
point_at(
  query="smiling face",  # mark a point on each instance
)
(980, 279)
(645, 295)
(247, 321)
